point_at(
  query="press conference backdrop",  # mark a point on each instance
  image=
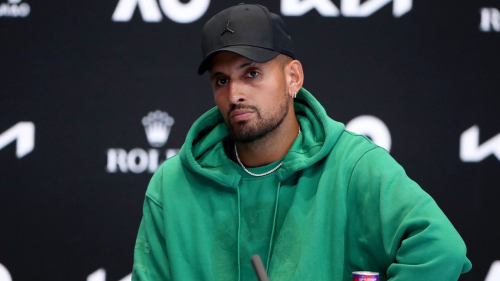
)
(96, 94)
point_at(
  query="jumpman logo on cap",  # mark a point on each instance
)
(227, 29)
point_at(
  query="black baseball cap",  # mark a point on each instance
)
(248, 30)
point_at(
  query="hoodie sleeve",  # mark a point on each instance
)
(418, 240)
(150, 255)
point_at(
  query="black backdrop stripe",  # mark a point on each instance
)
(83, 82)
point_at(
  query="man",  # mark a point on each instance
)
(267, 172)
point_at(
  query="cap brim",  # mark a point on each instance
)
(256, 54)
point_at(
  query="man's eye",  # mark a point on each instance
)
(221, 82)
(253, 74)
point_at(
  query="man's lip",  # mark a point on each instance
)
(237, 112)
(238, 115)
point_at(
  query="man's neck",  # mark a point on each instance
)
(270, 148)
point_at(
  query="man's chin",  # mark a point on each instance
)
(241, 139)
(246, 136)
(240, 134)
(240, 126)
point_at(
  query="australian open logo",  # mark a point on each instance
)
(157, 126)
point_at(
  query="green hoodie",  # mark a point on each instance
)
(338, 204)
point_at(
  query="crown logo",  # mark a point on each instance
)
(157, 126)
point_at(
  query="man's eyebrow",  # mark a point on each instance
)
(245, 65)
(212, 76)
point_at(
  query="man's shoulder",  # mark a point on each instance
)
(171, 164)
(168, 172)
(352, 146)
(170, 169)
(366, 160)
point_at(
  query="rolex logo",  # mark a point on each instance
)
(138, 160)
(157, 126)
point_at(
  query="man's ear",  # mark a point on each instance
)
(295, 75)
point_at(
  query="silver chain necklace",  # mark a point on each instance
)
(258, 175)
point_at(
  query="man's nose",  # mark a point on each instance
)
(236, 92)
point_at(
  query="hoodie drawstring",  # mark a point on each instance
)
(274, 226)
(239, 232)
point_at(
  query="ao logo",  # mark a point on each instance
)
(100, 275)
(195, 9)
(494, 273)
(373, 128)
(4, 274)
(173, 9)
(348, 8)
(24, 133)
(490, 20)
(472, 151)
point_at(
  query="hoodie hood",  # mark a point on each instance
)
(204, 154)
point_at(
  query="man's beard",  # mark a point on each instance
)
(244, 133)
